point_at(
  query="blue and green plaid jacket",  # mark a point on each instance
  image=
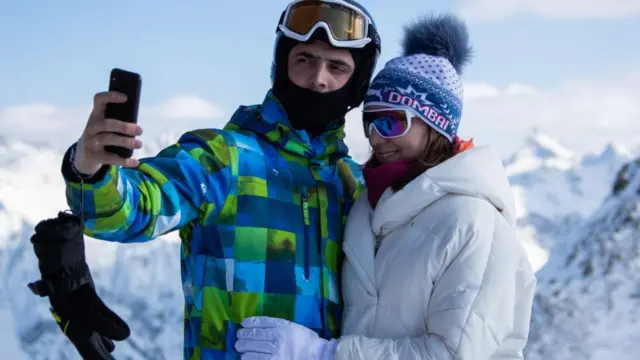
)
(260, 209)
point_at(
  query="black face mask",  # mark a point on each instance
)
(310, 110)
(306, 109)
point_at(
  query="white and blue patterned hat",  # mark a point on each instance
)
(427, 78)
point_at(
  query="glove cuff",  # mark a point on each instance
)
(64, 284)
(59, 246)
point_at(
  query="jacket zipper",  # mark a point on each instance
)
(307, 235)
(378, 243)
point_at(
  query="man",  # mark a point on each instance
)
(261, 204)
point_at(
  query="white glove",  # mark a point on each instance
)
(266, 338)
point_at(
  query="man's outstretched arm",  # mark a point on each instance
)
(185, 180)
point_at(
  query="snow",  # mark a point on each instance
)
(554, 189)
(540, 150)
(552, 181)
(538, 256)
(588, 299)
(9, 344)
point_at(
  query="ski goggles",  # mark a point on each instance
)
(388, 123)
(346, 24)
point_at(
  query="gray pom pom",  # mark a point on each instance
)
(441, 35)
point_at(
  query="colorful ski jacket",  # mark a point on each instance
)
(260, 209)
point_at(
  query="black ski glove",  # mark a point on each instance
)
(66, 279)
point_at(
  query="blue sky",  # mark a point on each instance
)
(60, 52)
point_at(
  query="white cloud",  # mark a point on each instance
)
(61, 126)
(586, 114)
(37, 116)
(474, 91)
(501, 9)
(480, 91)
(520, 89)
(184, 107)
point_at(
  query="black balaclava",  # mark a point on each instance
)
(306, 109)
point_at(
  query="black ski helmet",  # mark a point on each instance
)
(367, 56)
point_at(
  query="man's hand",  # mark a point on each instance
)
(266, 338)
(65, 278)
(90, 154)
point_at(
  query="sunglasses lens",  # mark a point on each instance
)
(388, 123)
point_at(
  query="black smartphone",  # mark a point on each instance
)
(130, 84)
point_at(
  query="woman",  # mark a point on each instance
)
(433, 269)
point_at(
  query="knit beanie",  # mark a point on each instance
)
(426, 79)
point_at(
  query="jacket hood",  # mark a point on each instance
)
(476, 172)
(270, 121)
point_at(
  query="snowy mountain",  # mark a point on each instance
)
(588, 301)
(543, 166)
(554, 188)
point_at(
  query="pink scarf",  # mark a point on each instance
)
(379, 178)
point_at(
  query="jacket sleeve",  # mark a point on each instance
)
(353, 185)
(188, 180)
(480, 305)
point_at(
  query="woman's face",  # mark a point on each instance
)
(408, 147)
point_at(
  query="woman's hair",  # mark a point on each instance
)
(437, 150)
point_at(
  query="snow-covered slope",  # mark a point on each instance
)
(554, 182)
(555, 189)
(11, 348)
(588, 301)
(141, 281)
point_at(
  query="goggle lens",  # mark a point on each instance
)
(345, 23)
(388, 123)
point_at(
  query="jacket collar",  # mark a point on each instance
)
(270, 121)
(477, 172)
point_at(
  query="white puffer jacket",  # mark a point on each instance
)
(450, 280)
